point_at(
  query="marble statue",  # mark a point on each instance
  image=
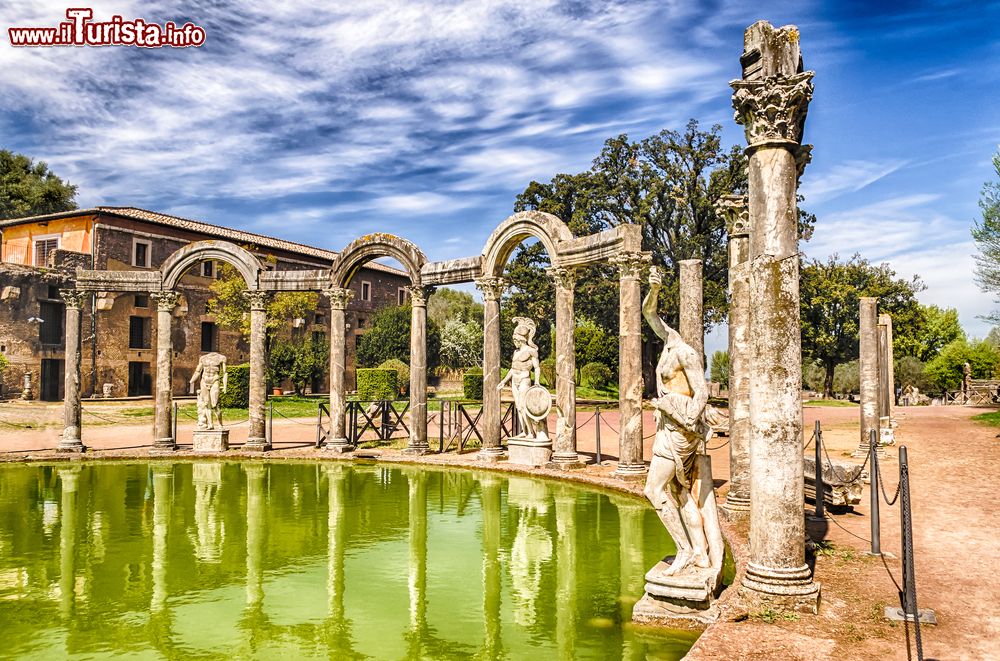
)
(214, 379)
(531, 401)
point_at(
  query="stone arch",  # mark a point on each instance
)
(545, 227)
(239, 258)
(372, 246)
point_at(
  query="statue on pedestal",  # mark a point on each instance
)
(532, 402)
(211, 370)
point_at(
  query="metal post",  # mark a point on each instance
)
(820, 511)
(873, 458)
(386, 433)
(597, 439)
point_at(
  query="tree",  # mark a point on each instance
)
(936, 328)
(461, 343)
(28, 188)
(389, 337)
(829, 296)
(232, 310)
(300, 361)
(720, 368)
(945, 371)
(594, 344)
(909, 371)
(446, 304)
(986, 233)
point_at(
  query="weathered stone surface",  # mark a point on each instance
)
(211, 440)
(163, 434)
(339, 298)
(692, 316)
(564, 453)
(418, 370)
(841, 483)
(71, 440)
(492, 289)
(868, 365)
(631, 267)
(528, 453)
(257, 434)
(887, 377)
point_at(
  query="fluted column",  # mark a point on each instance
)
(631, 266)
(163, 431)
(771, 103)
(564, 453)
(71, 438)
(868, 372)
(692, 305)
(257, 434)
(734, 209)
(339, 299)
(492, 289)
(418, 369)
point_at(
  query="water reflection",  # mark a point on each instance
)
(209, 529)
(532, 547)
(69, 478)
(489, 489)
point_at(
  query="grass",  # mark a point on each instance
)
(832, 403)
(991, 419)
(771, 615)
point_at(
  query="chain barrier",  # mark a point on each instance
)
(881, 484)
(100, 417)
(842, 478)
(583, 424)
(809, 442)
(909, 594)
(718, 447)
(298, 422)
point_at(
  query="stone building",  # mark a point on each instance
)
(40, 254)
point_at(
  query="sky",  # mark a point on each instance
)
(425, 118)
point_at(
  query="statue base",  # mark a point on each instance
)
(211, 440)
(689, 594)
(528, 452)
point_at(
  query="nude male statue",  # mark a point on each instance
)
(680, 428)
(210, 368)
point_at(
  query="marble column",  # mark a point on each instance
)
(887, 374)
(692, 303)
(771, 101)
(418, 370)
(489, 486)
(163, 431)
(257, 440)
(71, 438)
(734, 209)
(631, 266)
(163, 476)
(337, 441)
(868, 372)
(564, 453)
(492, 289)
(69, 479)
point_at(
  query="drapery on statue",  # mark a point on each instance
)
(531, 401)
(676, 484)
(210, 367)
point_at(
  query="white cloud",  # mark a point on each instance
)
(847, 177)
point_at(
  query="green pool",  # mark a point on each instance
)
(289, 561)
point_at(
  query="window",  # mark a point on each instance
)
(401, 295)
(208, 269)
(138, 332)
(43, 246)
(140, 253)
(319, 319)
(141, 301)
(209, 336)
(53, 292)
(366, 291)
(53, 322)
(361, 322)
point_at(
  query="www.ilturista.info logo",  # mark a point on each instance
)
(80, 30)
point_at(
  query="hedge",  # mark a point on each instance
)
(472, 383)
(402, 372)
(237, 395)
(377, 384)
(596, 375)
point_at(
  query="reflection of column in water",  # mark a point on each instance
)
(210, 531)
(566, 573)
(418, 550)
(339, 629)
(163, 475)
(255, 532)
(69, 477)
(532, 546)
(490, 494)
(632, 570)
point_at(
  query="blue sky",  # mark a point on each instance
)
(425, 118)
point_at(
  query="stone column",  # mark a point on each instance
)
(257, 440)
(692, 301)
(339, 298)
(734, 208)
(492, 289)
(631, 266)
(418, 369)
(887, 375)
(71, 441)
(564, 453)
(771, 103)
(163, 431)
(868, 372)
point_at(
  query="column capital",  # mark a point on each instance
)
(562, 276)
(339, 297)
(631, 265)
(492, 288)
(166, 301)
(419, 295)
(73, 298)
(773, 109)
(735, 210)
(257, 298)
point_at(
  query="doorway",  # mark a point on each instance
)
(140, 381)
(51, 380)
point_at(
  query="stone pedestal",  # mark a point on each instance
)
(668, 598)
(528, 452)
(211, 440)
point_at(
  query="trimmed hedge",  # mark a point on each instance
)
(548, 369)
(472, 383)
(237, 395)
(596, 375)
(377, 384)
(402, 372)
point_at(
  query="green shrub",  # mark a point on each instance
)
(237, 395)
(596, 375)
(4, 363)
(402, 372)
(472, 383)
(548, 367)
(377, 384)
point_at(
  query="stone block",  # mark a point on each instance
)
(528, 452)
(10, 293)
(841, 482)
(689, 595)
(211, 440)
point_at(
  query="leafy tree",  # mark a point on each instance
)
(446, 304)
(28, 188)
(909, 371)
(936, 328)
(720, 368)
(300, 361)
(813, 375)
(461, 343)
(847, 378)
(830, 293)
(986, 233)
(946, 370)
(232, 310)
(389, 337)
(594, 344)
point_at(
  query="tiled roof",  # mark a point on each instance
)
(228, 233)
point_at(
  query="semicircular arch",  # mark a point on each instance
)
(175, 266)
(545, 227)
(372, 246)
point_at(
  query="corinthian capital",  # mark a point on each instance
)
(257, 299)
(564, 278)
(166, 301)
(773, 109)
(73, 298)
(735, 211)
(492, 288)
(419, 294)
(631, 264)
(339, 297)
